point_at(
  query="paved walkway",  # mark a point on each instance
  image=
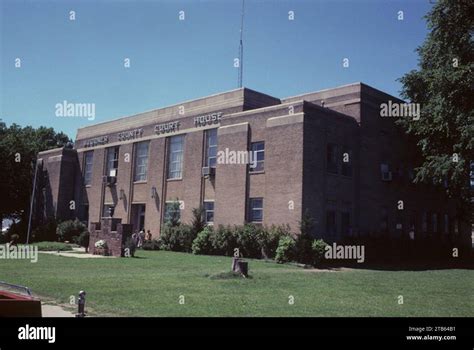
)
(54, 311)
(78, 253)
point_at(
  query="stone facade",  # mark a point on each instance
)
(299, 134)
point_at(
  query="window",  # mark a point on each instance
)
(172, 212)
(88, 160)
(384, 220)
(346, 224)
(331, 227)
(446, 223)
(112, 161)
(331, 158)
(424, 222)
(346, 161)
(209, 212)
(434, 222)
(256, 210)
(258, 156)
(211, 148)
(141, 161)
(106, 210)
(175, 157)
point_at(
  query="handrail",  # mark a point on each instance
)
(16, 286)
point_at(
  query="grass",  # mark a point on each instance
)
(152, 283)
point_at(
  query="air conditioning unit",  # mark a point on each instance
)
(109, 180)
(387, 176)
(208, 171)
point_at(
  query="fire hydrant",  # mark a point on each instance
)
(81, 304)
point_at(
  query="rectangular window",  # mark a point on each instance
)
(141, 161)
(112, 161)
(172, 212)
(331, 158)
(256, 209)
(211, 148)
(446, 223)
(175, 157)
(434, 222)
(346, 223)
(209, 212)
(424, 222)
(258, 156)
(346, 161)
(331, 226)
(88, 160)
(106, 210)
(384, 220)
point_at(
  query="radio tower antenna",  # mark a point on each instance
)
(241, 47)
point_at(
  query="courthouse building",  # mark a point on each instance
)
(329, 153)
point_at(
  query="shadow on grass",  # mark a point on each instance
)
(401, 266)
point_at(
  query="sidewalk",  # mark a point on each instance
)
(54, 311)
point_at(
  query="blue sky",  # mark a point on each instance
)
(81, 61)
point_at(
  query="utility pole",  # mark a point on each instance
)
(241, 47)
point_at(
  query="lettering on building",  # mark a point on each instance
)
(209, 119)
(97, 141)
(167, 127)
(130, 135)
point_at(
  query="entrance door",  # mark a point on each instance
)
(138, 217)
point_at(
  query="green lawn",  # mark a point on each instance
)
(151, 285)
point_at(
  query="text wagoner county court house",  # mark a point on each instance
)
(141, 164)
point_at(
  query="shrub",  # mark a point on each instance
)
(14, 238)
(153, 244)
(198, 223)
(319, 249)
(176, 238)
(286, 249)
(268, 239)
(19, 229)
(45, 232)
(66, 230)
(202, 244)
(246, 240)
(129, 247)
(53, 246)
(173, 216)
(224, 241)
(304, 241)
(82, 240)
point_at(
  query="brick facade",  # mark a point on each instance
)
(297, 133)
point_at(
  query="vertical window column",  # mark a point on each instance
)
(175, 157)
(88, 162)
(141, 161)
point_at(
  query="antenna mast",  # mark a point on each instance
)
(241, 47)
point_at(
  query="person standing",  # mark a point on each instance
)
(141, 238)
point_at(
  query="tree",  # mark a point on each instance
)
(443, 87)
(198, 223)
(18, 150)
(173, 215)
